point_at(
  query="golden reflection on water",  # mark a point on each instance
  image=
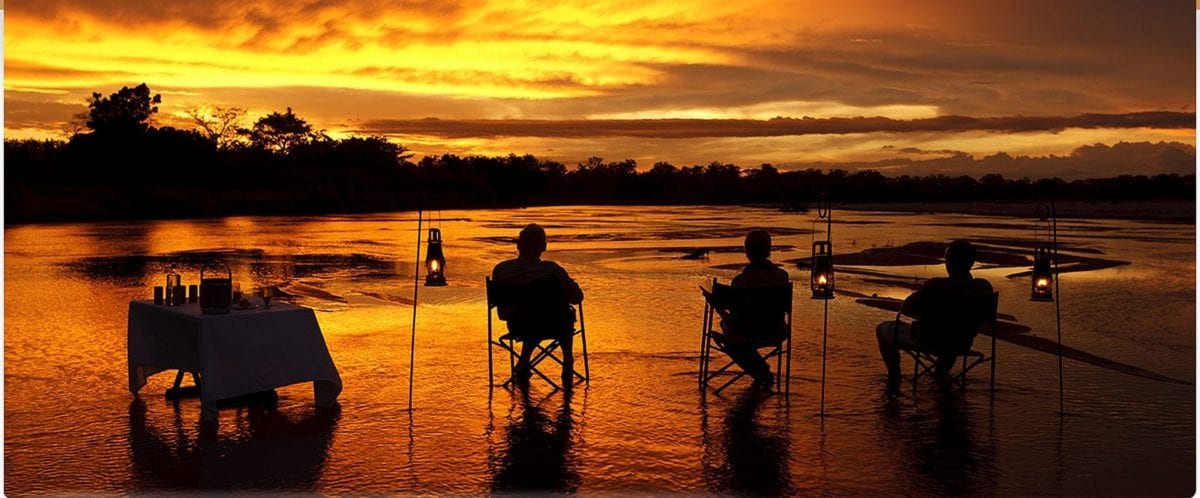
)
(640, 424)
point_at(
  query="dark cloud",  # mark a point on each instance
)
(1089, 161)
(920, 151)
(692, 128)
(17, 68)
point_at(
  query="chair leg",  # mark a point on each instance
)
(730, 382)
(703, 344)
(491, 373)
(709, 377)
(587, 370)
(992, 378)
(778, 368)
(706, 346)
(916, 364)
(787, 383)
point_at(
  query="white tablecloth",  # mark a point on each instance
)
(235, 354)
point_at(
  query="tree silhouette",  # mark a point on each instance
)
(124, 112)
(281, 133)
(126, 168)
(219, 124)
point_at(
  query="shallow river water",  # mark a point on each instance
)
(72, 426)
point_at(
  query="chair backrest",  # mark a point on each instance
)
(752, 299)
(760, 312)
(956, 326)
(528, 298)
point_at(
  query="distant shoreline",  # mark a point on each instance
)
(1164, 211)
(1167, 211)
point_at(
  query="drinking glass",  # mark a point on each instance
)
(173, 281)
(268, 292)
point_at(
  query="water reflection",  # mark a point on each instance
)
(268, 450)
(538, 450)
(938, 446)
(262, 268)
(747, 456)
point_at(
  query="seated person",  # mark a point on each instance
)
(937, 308)
(528, 267)
(744, 331)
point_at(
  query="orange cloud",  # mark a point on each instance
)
(363, 64)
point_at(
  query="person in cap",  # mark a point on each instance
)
(533, 326)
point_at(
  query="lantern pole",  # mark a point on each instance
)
(1047, 214)
(825, 211)
(1057, 296)
(412, 347)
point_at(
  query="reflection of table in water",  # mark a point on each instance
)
(234, 354)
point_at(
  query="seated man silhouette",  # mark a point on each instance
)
(937, 302)
(745, 332)
(528, 267)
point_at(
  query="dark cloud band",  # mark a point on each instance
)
(697, 128)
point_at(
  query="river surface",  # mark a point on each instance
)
(72, 426)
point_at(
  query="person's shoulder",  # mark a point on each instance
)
(936, 283)
(551, 267)
(779, 271)
(546, 263)
(981, 285)
(502, 266)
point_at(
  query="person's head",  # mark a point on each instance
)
(758, 245)
(532, 241)
(960, 257)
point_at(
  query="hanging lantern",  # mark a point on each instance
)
(822, 270)
(1041, 286)
(435, 261)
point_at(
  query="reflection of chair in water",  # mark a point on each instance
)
(271, 451)
(940, 450)
(542, 304)
(748, 302)
(967, 314)
(746, 457)
(538, 451)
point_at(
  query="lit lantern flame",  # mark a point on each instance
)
(822, 270)
(1043, 275)
(435, 261)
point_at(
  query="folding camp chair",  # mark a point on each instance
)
(746, 302)
(979, 311)
(541, 297)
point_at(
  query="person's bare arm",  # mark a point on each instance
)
(913, 304)
(571, 289)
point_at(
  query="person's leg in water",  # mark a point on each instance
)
(522, 372)
(945, 363)
(746, 356)
(891, 336)
(567, 345)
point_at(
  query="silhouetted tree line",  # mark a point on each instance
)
(122, 167)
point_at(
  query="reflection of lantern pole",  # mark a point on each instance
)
(1045, 274)
(822, 279)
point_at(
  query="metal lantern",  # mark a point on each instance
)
(822, 270)
(435, 261)
(1042, 284)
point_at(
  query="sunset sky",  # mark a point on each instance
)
(685, 81)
